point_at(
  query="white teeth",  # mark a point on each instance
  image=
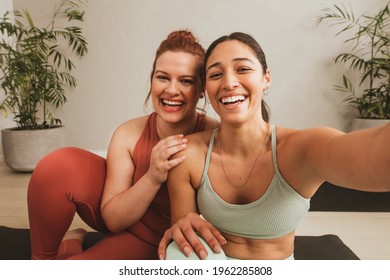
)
(172, 103)
(233, 99)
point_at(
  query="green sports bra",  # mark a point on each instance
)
(278, 212)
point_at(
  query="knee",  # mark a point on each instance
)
(66, 163)
(67, 158)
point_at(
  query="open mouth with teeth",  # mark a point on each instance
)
(172, 104)
(231, 100)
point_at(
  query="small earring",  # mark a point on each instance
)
(266, 91)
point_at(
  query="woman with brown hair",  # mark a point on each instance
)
(246, 186)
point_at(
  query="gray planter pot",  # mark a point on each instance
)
(24, 148)
(358, 124)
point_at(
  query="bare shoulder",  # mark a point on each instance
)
(307, 136)
(210, 123)
(133, 125)
(300, 147)
(129, 132)
(302, 154)
(198, 142)
(195, 153)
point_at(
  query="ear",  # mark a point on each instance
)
(267, 80)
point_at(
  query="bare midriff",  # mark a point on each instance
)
(279, 248)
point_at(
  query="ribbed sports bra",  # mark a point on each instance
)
(278, 212)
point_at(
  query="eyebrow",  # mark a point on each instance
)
(234, 59)
(165, 73)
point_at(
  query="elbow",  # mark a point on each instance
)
(111, 224)
(113, 228)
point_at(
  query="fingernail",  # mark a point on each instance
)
(187, 251)
(203, 255)
(217, 249)
(160, 257)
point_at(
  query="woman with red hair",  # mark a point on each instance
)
(124, 196)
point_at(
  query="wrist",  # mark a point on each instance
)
(152, 181)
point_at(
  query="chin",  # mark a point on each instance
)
(172, 116)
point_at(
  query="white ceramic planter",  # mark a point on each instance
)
(24, 148)
(358, 124)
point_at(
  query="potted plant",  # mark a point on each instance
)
(369, 57)
(35, 72)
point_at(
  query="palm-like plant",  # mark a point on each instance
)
(369, 56)
(35, 69)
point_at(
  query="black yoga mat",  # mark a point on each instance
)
(15, 245)
(335, 198)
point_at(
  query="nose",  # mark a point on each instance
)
(230, 81)
(173, 88)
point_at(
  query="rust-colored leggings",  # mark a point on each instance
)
(64, 182)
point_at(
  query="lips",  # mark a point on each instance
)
(172, 106)
(172, 103)
(230, 100)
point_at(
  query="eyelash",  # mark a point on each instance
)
(162, 77)
(215, 75)
(243, 69)
(185, 81)
(219, 74)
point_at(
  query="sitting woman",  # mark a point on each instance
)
(125, 196)
(246, 186)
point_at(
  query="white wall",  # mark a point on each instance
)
(123, 35)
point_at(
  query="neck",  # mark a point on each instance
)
(243, 139)
(185, 126)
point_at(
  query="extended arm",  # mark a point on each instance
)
(359, 160)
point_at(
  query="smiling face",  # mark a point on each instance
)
(175, 90)
(235, 81)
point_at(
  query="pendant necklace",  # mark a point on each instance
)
(253, 166)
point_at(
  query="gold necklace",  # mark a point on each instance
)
(253, 166)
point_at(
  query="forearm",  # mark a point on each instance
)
(128, 207)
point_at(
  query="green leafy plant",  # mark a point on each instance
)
(35, 66)
(369, 39)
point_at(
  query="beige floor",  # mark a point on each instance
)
(367, 234)
(13, 200)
